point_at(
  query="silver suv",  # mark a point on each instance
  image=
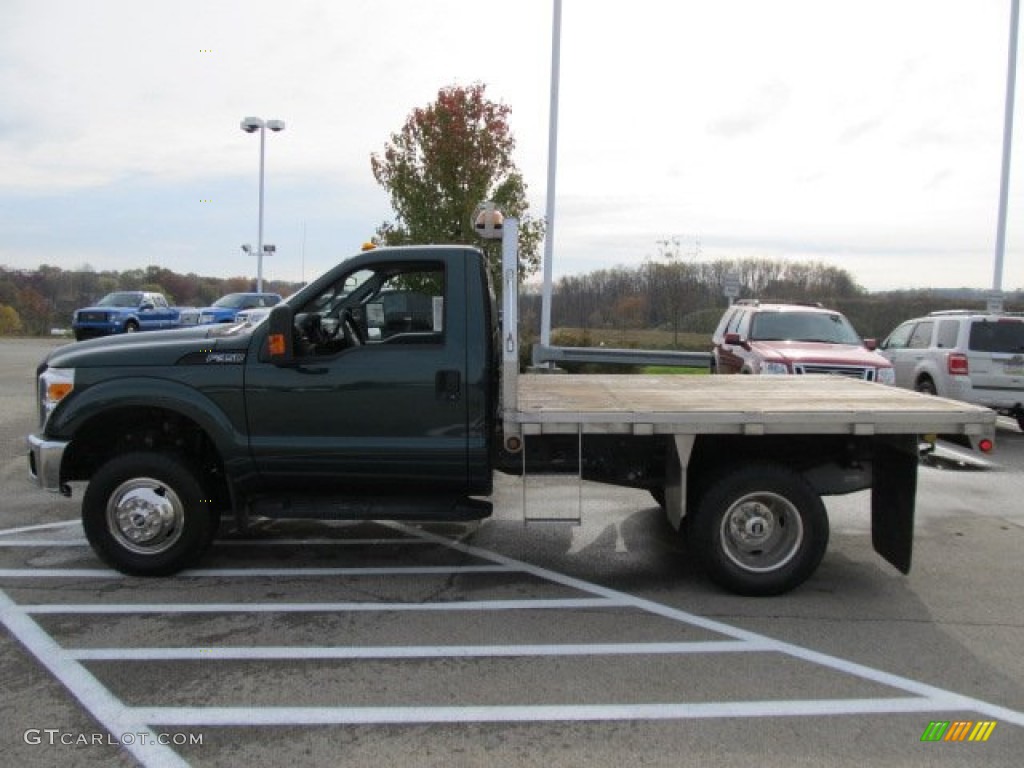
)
(964, 355)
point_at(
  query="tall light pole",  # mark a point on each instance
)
(251, 125)
(1004, 185)
(549, 237)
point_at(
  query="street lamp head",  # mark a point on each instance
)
(268, 248)
(275, 125)
(251, 124)
(247, 248)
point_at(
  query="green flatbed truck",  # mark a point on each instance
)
(389, 388)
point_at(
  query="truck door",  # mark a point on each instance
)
(376, 398)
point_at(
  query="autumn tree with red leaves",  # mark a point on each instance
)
(449, 157)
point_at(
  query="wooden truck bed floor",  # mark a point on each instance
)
(752, 405)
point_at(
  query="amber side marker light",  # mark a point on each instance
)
(275, 344)
(58, 390)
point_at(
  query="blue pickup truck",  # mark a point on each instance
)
(226, 308)
(125, 312)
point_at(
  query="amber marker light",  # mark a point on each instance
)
(276, 344)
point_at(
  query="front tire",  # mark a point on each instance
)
(759, 530)
(146, 514)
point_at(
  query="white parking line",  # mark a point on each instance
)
(67, 664)
(84, 609)
(268, 653)
(326, 542)
(43, 543)
(240, 716)
(226, 573)
(42, 527)
(97, 700)
(814, 657)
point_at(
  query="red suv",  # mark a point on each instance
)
(755, 337)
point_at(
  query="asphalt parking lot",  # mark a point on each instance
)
(315, 644)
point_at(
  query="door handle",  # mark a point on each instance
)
(448, 385)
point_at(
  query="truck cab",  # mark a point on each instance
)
(387, 381)
(370, 393)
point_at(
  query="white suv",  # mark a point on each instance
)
(964, 355)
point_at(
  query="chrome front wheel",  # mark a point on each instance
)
(145, 516)
(146, 513)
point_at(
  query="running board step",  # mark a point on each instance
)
(371, 508)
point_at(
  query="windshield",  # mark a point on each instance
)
(122, 299)
(231, 301)
(825, 327)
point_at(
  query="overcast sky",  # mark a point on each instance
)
(863, 134)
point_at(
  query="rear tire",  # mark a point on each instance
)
(146, 514)
(759, 530)
(925, 386)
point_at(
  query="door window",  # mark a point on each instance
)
(921, 338)
(384, 305)
(898, 339)
(945, 337)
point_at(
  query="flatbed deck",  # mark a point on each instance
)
(750, 405)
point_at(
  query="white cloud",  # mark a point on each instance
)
(864, 133)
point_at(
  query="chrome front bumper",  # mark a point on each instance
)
(44, 460)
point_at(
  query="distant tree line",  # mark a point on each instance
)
(687, 296)
(671, 294)
(32, 302)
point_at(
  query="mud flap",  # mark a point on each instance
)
(893, 494)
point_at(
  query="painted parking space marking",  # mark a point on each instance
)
(94, 697)
(227, 573)
(69, 665)
(40, 527)
(266, 653)
(82, 609)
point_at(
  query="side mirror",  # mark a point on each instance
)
(871, 344)
(280, 329)
(145, 306)
(735, 340)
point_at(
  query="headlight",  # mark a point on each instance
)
(774, 368)
(54, 385)
(885, 376)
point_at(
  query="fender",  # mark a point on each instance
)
(226, 433)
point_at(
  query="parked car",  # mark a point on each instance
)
(964, 355)
(776, 338)
(224, 309)
(252, 316)
(188, 316)
(124, 312)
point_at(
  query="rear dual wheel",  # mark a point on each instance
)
(759, 530)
